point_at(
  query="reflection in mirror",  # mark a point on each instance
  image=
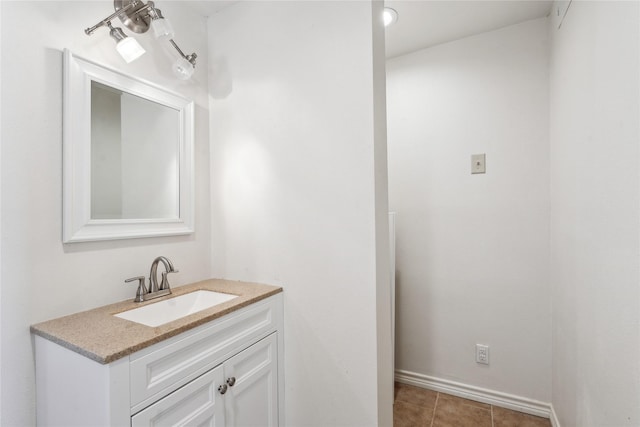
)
(127, 156)
(134, 156)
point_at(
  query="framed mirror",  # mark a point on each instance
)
(127, 156)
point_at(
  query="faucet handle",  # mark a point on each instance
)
(164, 284)
(142, 288)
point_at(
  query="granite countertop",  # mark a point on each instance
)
(100, 336)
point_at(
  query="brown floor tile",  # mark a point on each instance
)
(453, 411)
(415, 395)
(508, 418)
(418, 407)
(408, 415)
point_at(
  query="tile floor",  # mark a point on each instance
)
(417, 407)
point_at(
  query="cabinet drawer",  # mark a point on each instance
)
(156, 372)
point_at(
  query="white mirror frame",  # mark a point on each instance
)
(77, 223)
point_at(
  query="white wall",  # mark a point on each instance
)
(294, 192)
(41, 277)
(595, 194)
(472, 250)
(1, 121)
(384, 301)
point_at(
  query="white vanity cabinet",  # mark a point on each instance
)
(242, 391)
(227, 372)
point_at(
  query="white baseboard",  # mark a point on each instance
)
(492, 397)
(554, 418)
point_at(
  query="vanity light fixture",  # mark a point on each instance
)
(161, 27)
(183, 67)
(127, 47)
(138, 17)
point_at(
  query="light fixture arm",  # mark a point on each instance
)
(191, 58)
(107, 20)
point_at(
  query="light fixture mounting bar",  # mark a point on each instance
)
(108, 19)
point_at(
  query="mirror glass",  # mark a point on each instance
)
(134, 156)
(127, 156)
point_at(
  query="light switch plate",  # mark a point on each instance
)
(478, 164)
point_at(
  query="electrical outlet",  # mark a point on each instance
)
(482, 354)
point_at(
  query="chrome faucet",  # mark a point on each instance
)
(154, 291)
(153, 275)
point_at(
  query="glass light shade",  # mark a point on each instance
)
(129, 49)
(389, 16)
(162, 28)
(183, 69)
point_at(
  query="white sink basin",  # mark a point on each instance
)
(165, 311)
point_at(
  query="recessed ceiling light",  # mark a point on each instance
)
(389, 16)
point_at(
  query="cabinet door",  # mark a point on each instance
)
(253, 398)
(196, 404)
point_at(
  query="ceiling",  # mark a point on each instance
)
(208, 7)
(425, 23)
